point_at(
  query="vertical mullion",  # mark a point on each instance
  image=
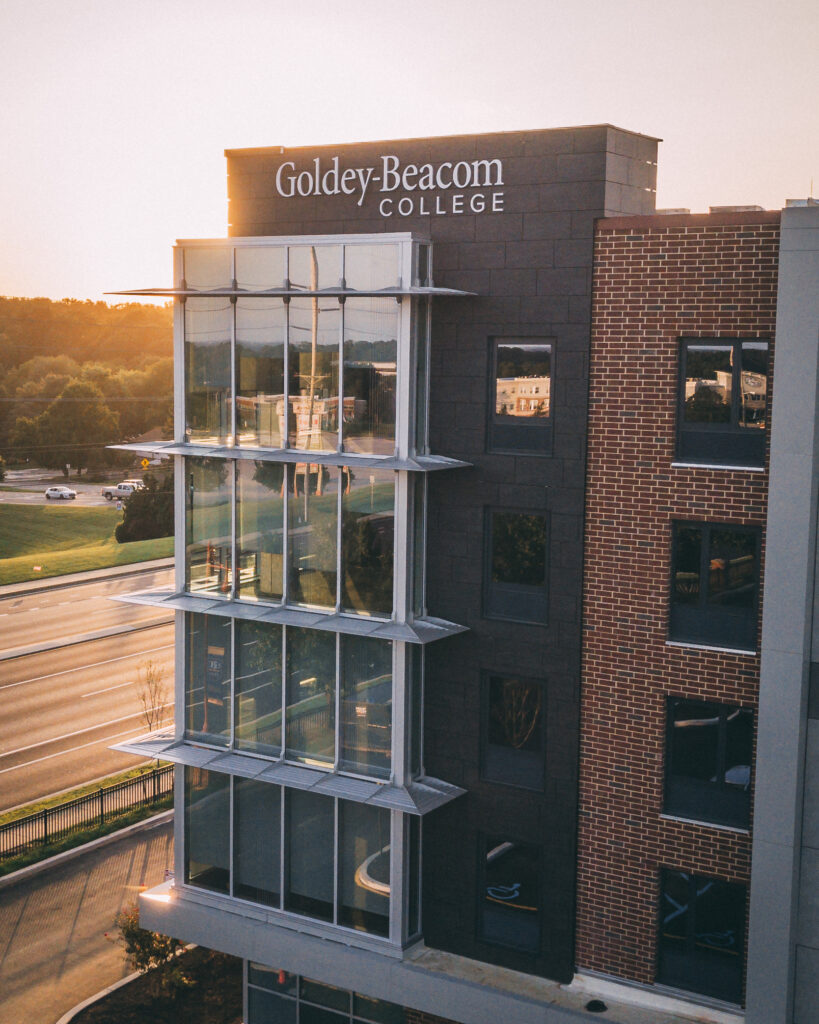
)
(336, 865)
(337, 730)
(282, 844)
(231, 811)
(342, 471)
(233, 304)
(282, 753)
(399, 760)
(232, 734)
(286, 534)
(285, 439)
(398, 877)
(234, 561)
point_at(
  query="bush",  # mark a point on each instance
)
(148, 513)
(146, 951)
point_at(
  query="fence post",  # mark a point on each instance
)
(153, 784)
(102, 807)
(45, 826)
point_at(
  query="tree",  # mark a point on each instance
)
(148, 512)
(2, 469)
(152, 690)
(147, 951)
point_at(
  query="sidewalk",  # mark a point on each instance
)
(53, 949)
(93, 576)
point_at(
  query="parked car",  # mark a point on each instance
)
(122, 490)
(59, 492)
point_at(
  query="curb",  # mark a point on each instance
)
(79, 578)
(78, 851)
(72, 641)
(72, 1013)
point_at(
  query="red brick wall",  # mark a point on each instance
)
(656, 279)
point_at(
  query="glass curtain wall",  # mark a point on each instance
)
(370, 366)
(366, 706)
(208, 668)
(367, 541)
(312, 534)
(208, 526)
(258, 687)
(260, 490)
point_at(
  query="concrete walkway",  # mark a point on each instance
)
(53, 949)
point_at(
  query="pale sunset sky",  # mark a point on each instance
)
(115, 114)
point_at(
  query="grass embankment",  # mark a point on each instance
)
(64, 540)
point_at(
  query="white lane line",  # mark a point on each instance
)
(80, 668)
(82, 746)
(77, 732)
(107, 689)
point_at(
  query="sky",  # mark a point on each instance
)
(114, 115)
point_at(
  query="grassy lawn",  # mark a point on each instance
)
(66, 540)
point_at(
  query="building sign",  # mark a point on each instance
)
(404, 190)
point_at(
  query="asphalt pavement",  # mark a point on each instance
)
(29, 487)
(54, 952)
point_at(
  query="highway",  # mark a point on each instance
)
(62, 707)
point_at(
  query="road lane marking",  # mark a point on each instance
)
(107, 689)
(79, 668)
(82, 746)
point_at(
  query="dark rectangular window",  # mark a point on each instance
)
(723, 394)
(702, 930)
(207, 829)
(714, 586)
(256, 841)
(708, 761)
(516, 560)
(513, 732)
(310, 835)
(520, 418)
(208, 668)
(510, 898)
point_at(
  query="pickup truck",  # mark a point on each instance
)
(123, 490)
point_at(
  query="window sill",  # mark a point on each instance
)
(711, 647)
(718, 465)
(705, 824)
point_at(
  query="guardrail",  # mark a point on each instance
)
(55, 823)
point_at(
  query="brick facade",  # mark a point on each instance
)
(656, 279)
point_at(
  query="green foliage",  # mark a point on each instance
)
(148, 513)
(147, 951)
(2, 469)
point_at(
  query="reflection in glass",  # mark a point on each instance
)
(421, 329)
(312, 528)
(311, 695)
(754, 385)
(261, 333)
(309, 834)
(523, 380)
(270, 1007)
(207, 369)
(364, 867)
(256, 841)
(367, 538)
(366, 706)
(687, 559)
(514, 752)
(208, 564)
(711, 742)
(259, 529)
(370, 353)
(259, 267)
(313, 336)
(207, 829)
(510, 908)
(419, 554)
(377, 1010)
(413, 823)
(733, 569)
(518, 548)
(368, 268)
(207, 678)
(325, 995)
(313, 267)
(258, 687)
(207, 268)
(708, 383)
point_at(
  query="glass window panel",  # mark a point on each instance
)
(259, 267)
(687, 563)
(207, 829)
(523, 380)
(272, 978)
(514, 752)
(310, 840)
(510, 905)
(257, 841)
(318, 1015)
(371, 267)
(422, 264)
(708, 383)
(364, 867)
(732, 568)
(366, 706)
(270, 1008)
(675, 907)
(518, 548)
(754, 385)
(313, 337)
(208, 526)
(315, 266)
(207, 678)
(719, 917)
(421, 328)
(367, 540)
(311, 695)
(261, 333)
(325, 995)
(207, 369)
(258, 687)
(208, 268)
(414, 888)
(312, 534)
(739, 744)
(370, 353)
(415, 656)
(260, 529)
(376, 1011)
(418, 543)
(695, 730)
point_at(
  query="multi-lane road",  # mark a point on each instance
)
(70, 690)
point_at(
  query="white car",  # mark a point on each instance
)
(59, 492)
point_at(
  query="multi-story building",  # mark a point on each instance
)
(470, 557)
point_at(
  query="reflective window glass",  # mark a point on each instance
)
(367, 540)
(419, 554)
(312, 534)
(708, 384)
(270, 1008)
(514, 731)
(370, 353)
(366, 706)
(523, 380)
(208, 325)
(325, 995)
(260, 529)
(364, 867)
(310, 840)
(754, 385)
(732, 568)
(511, 899)
(272, 978)
(207, 268)
(515, 585)
(208, 526)
(258, 687)
(313, 267)
(259, 267)
(687, 565)
(261, 334)
(371, 267)
(311, 695)
(421, 339)
(207, 678)
(377, 1011)
(256, 841)
(313, 339)
(207, 829)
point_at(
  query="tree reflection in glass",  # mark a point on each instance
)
(311, 696)
(366, 706)
(370, 353)
(258, 687)
(708, 383)
(259, 529)
(312, 534)
(207, 369)
(208, 565)
(367, 540)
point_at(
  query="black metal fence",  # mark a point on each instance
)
(65, 819)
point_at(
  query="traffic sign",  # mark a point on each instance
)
(145, 463)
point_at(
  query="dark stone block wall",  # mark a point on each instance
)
(530, 266)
